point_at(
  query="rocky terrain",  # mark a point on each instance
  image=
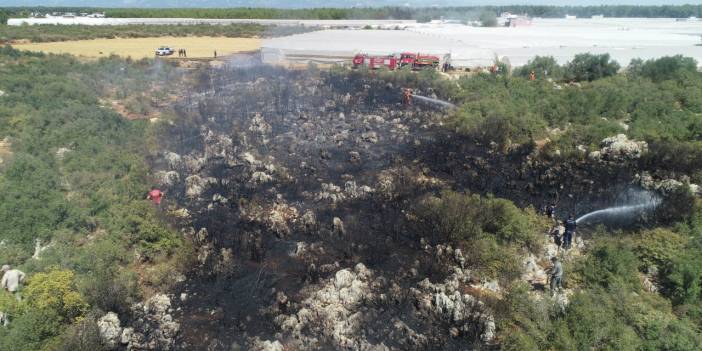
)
(298, 190)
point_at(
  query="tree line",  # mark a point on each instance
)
(49, 33)
(407, 13)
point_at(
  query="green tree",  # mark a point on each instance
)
(3, 17)
(588, 67)
(56, 291)
(611, 265)
(542, 66)
(670, 67)
(30, 331)
(488, 19)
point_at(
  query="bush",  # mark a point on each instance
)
(675, 67)
(588, 67)
(29, 331)
(610, 265)
(658, 247)
(81, 336)
(55, 291)
(490, 230)
(110, 291)
(488, 19)
(462, 217)
(542, 66)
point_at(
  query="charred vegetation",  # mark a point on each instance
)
(297, 185)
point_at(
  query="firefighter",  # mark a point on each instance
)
(555, 275)
(570, 224)
(155, 196)
(407, 97)
(551, 210)
(557, 235)
(11, 281)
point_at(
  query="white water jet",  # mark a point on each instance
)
(643, 202)
(441, 103)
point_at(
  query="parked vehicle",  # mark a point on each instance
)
(405, 59)
(164, 51)
(389, 62)
(360, 60)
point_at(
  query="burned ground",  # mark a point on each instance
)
(299, 189)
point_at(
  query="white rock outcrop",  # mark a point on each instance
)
(167, 178)
(110, 330)
(333, 311)
(153, 328)
(620, 147)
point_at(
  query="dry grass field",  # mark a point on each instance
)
(196, 47)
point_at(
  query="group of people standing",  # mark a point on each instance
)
(563, 237)
(183, 53)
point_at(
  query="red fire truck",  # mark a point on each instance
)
(375, 62)
(391, 62)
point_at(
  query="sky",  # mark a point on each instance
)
(326, 3)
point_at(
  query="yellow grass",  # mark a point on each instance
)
(197, 47)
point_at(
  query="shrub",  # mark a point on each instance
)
(658, 247)
(29, 331)
(110, 291)
(669, 67)
(490, 120)
(489, 229)
(81, 336)
(588, 67)
(610, 265)
(55, 291)
(488, 19)
(542, 66)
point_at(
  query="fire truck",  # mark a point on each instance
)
(391, 62)
(375, 62)
(419, 61)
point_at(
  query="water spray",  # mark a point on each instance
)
(638, 203)
(441, 103)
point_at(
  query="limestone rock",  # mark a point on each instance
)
(61, 152)
(271, 346)
(343, 279)
(126, 336)
(668, 186)
(174, 160)
(260, 178)
(196, 185)
(167, 178)
(333, 310)
(338, 226)
(154, 327)
(110, 330)
(620, 147)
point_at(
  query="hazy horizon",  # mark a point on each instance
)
(321, 3)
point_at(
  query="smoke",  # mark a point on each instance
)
(243, 61)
